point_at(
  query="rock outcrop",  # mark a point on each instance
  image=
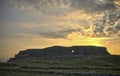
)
(61, 51)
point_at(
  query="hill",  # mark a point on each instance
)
(63, 61)
(61, 51)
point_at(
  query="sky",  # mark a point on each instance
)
(26, 24)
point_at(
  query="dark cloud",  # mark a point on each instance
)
(54, 34)
(108, 24)
(93, 6)
(117, 25)
(55, 7)
(18, 31)
(105, 25)
(48, 7)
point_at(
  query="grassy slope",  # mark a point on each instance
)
(98, 64)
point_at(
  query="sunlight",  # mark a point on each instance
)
(95, 43)
(77, 39)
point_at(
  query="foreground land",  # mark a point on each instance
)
(63, 66)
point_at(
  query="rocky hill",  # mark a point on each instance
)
(61, 51)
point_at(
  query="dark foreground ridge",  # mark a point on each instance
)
(61, 73)
(61, 51)
(63, 61)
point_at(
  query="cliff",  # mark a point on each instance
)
(61, 51)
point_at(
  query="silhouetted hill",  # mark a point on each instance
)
(61, 51)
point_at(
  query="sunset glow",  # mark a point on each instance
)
(42, 23)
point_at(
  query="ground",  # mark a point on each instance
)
(63, 66)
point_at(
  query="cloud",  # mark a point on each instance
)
(56, 34)
(93, 6)
(63, 7)
(35, 30)
(101, 18)
(48, 7)
(51, 30)
(117, 25)
(117, 28)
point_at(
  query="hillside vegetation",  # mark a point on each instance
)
(62, 61)
(62, 65)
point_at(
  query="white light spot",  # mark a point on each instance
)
(73, 51)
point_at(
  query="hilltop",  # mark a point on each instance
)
(61, 51)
